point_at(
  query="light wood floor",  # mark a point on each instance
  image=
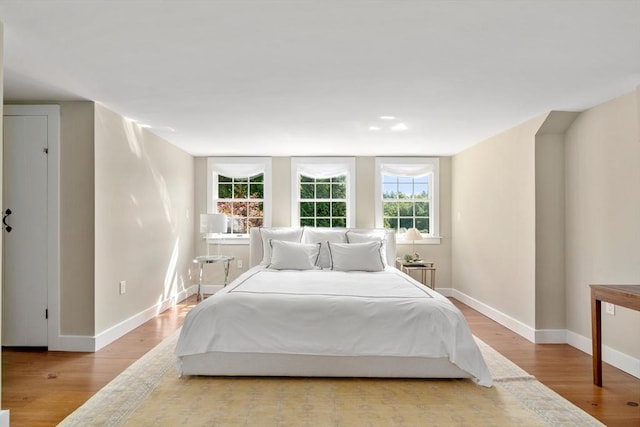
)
(41, 388)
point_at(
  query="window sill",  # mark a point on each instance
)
(425, 241)
(231, 239)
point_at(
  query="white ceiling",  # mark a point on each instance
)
(310, 77)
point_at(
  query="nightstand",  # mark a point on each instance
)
(210, 259)
(422, 267)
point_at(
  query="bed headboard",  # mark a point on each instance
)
(255, 242)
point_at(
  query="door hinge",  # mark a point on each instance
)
(46, 150)
(46, 313)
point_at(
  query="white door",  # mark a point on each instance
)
(24, 299)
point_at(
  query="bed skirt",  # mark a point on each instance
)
(293, 365)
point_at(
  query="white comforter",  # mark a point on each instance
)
(332, 313)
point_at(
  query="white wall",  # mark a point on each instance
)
(602, 155)
(493, 209)
(77, 308)
(144, 219)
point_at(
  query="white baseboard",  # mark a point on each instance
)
(95, 343)
(620, 360)
(4, 418)
(613, 357)
(505, 320)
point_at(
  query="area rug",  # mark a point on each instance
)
(150, 393)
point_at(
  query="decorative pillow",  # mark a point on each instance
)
(373, 236)
(314, 235)
(285, 234)
(293, 256)
(356, 256)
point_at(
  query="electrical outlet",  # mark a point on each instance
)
(610, 308)
(239, 264)
(123, 287)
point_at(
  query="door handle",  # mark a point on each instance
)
(4, 221)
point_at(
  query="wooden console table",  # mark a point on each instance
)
(623, 295)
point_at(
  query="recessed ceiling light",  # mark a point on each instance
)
(387, 117)
(374, 128)
(399, 127)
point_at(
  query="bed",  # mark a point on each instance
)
(327, 303)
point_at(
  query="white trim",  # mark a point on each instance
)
(95, 343)
(265, 162)
(110, 335)
(349, 168)
(504, 319)
(4, 418)
(622, 361)
(53, 210)
(434, 221)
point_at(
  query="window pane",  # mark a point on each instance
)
(307, 222)
(255, 222)
(422, 224)
(307, 209)
(406, 223)
(307, 191)
(405, 191)
(405, 180)
(391, 223)
(256, 191)
(224, 191)
(256, 209)
(339, 191)
(323, 180)
(390, 208)
(222, 178)
(241, 179)
(405, 208)
(240, 209)
(224, 207)
(421, 190)
(240, 191)
(339, 209)
(339, 222)
(389, 179)
(390, 190)
(323, 191)
(240, 225)
(323, 222)
(306, 179)
(323, 209)
(422, 208)
(257, 178)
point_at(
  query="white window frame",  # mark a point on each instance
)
(432, 166)
(218, 165)
(330, 166)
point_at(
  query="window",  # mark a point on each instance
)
(240, 187)
(407, 194)
(322, 190)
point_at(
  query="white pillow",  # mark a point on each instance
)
(293, 256)
(379, 236)
(286, 234)
(356, 256)
(314, 235)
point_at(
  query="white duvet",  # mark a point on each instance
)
(319, 312)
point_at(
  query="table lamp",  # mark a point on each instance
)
(212, 224)
(413, 234)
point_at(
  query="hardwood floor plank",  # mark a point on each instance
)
(42, 388)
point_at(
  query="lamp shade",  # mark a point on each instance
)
(413, 234)
(213, 223)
